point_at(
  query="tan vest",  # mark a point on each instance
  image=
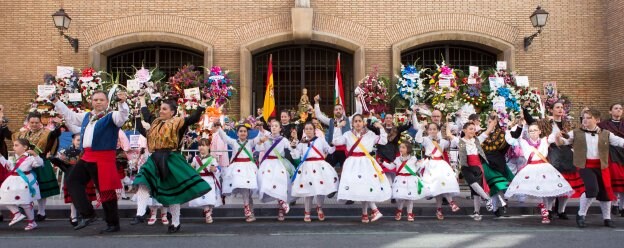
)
(580, 148)
(463, 154)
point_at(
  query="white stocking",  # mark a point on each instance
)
(410, 206)
(620, 200)
(438, 201)
(364, 208)
(476, 202)
(13, 208)
(479, 190)
(29, 211)
(143, 196)
(154, 212)
(563, 202)
(373, 206)
(73, 213)
(605, 208)
(400, 204)
(584, 205)
(246, 196)
(41, 206)
(320, 200)
(307, 203)
(175, 214)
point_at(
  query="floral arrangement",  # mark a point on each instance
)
(410, 85)
(373, 93)
(187, 77)
(473, 95)
(90, 81)
(532, 97)
(218, 86)
(551, 99)
(444, 98)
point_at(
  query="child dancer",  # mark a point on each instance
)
(20, 189)
(207, 167)
(407, 186)
(241, 174)
(438, 175)
(472, 162)
(274, 172)
(313, 177)
(362, 178)
(538, 178)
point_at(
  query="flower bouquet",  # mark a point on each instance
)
(445, 89)
(218, 86)
(372, 93)
(410, 85)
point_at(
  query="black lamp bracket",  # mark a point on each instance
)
(529, 40)
(72, 41)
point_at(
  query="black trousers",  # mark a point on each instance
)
(336, 159)
(472, 174)
(77, 180)
(594, 185)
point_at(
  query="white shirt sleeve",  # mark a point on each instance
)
(339, 138)
(419, 136)
(120, 117)
(70, 117)
(510, 140)
(383, 137)
(614, 140)
(320, 116)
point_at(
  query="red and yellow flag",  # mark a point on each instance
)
(268, 109)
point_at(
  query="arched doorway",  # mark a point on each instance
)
(302, 66)
(167, 57)
(460, 55)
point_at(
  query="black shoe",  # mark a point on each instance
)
(137, 220)
(609, 223)
(40, 218)
(125, 198)
(173, 229)
(292, 203)
(551, 214)
(498, 212)
(349, 202)
(1, 218)
(110, 229)
(580, 221)
(73, 221)
(331, 195)
(444, 202)
(393, 201)
(84, 222)
(614, 210)
(621, 212)
(563, 216)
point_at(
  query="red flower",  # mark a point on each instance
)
(88, 72)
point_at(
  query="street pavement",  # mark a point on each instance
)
(426, 231)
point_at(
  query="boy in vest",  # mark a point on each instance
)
(99, 134)
(591, 156)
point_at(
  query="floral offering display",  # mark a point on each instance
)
(373, 93)
(553, 96)
(532, 97)
(187, 77)
(218, 86)
(410, 84)
(444, 88)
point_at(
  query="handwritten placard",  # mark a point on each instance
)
(64, 71)
(192, 93)
(45, 90)
(473, 70)
(496, 82)
(133, 85)
(501, 65)
(155, 96)
(472, 81)
(75, 97)
(134, 141)
(445, 83)
(498, 103)
(522, 81)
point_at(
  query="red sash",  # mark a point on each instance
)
(472, 161)
(401, 168)
(606, 176)
(17, 165)
(108, 179)
(357, 142)
(208, 173)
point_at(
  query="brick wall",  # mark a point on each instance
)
(581, 47)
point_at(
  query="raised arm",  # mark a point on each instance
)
(419, 136)
(120, 117)
(383, 137)
(226, 138)
(614, 140)
(510, 139)
(319, 114)
(71, 117)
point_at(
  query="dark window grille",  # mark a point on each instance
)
(458, 56)
(168, 59)
(302, 66)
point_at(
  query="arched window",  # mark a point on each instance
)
(460, 56)
(167, 58)
(302, 66)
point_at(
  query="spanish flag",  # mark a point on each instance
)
(268, 109)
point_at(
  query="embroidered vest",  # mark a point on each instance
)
(580, 148)
(463, 154)
(105, 133)
(329, 136)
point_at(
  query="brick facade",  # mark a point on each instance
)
(581, 48)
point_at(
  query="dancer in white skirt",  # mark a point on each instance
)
(362, 178)
(438, 176)
(240, 177)
(407, 186)
(313, 177)
(208, 169)
(275, 171)
(20, 189)
(538, 178)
